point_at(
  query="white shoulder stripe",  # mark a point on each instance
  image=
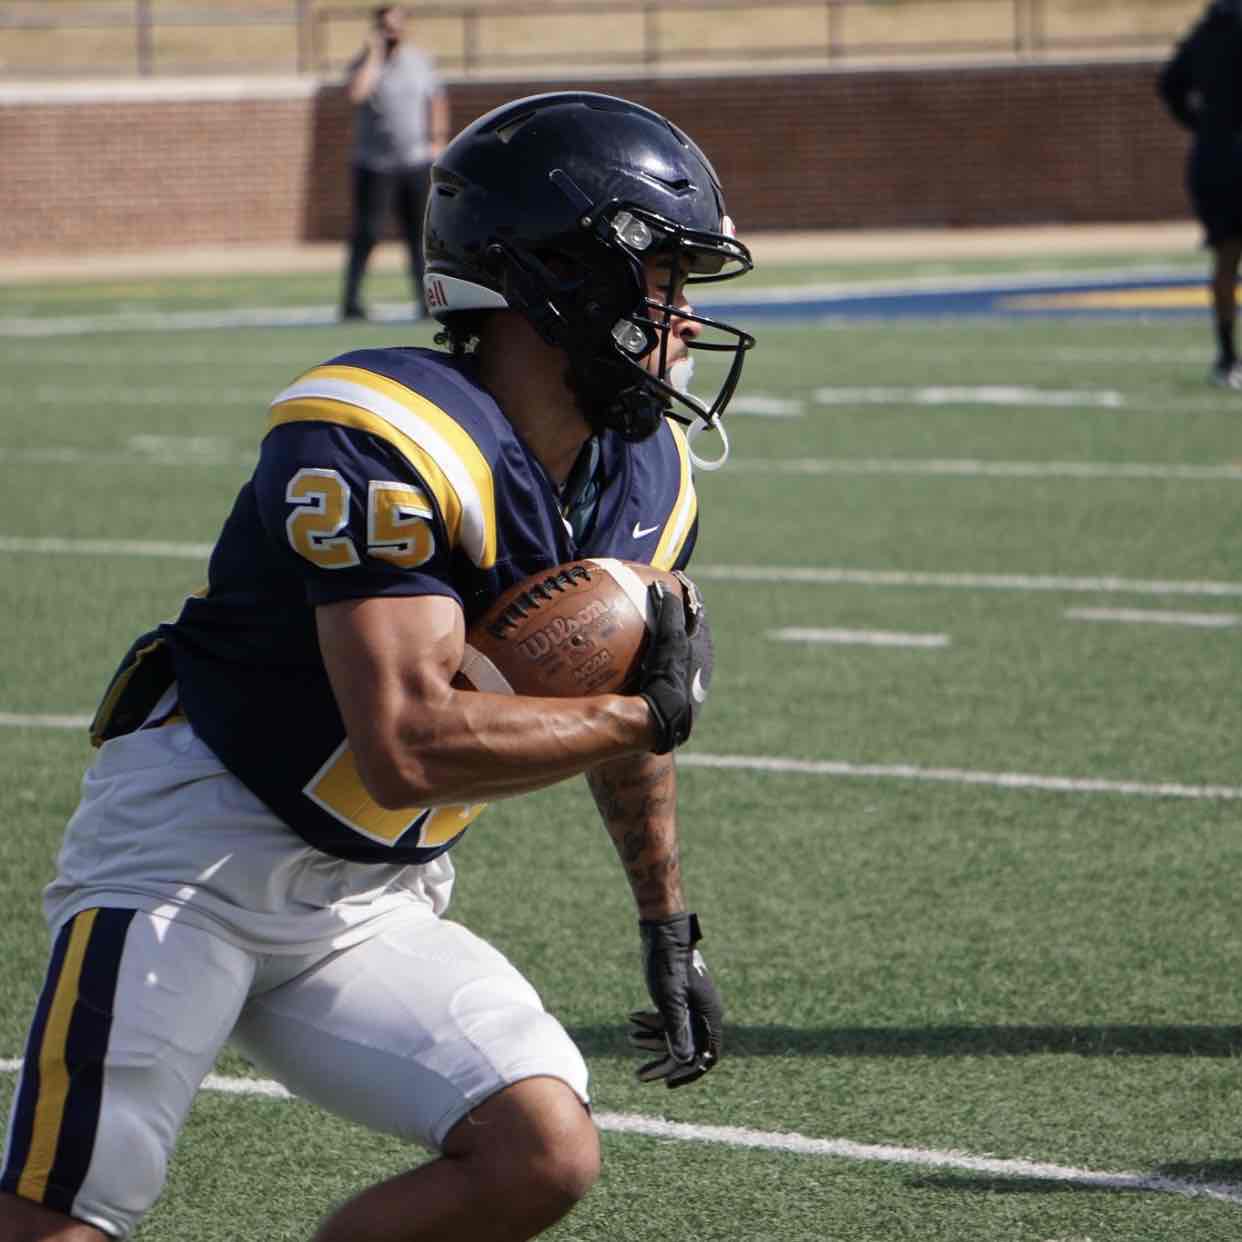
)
(473, 515)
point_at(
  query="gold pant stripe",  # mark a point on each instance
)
(53, 1069)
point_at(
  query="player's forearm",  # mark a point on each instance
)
(637, 800)
(478, 747)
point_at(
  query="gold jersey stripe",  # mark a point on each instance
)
(681, 520)
(339, 789)
(450, 462)
(103, 713)
(53, 1071)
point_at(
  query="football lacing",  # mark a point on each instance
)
(529, 600)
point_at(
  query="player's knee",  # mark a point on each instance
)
(565, 1173)
(534, 1143)
(121, 1167)
(24, 1221)
(130, 1161)
(551, 1181)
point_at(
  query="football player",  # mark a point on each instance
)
(261, 852)
(1202, 87)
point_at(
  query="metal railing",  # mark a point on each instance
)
(315, 33)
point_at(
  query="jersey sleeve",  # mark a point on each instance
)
(353, 518)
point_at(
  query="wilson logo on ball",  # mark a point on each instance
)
(562, 630)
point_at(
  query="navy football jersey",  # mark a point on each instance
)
(386, 472)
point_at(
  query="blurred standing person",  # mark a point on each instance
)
(400, 126)
(1202, 86)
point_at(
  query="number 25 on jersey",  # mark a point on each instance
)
(399, 517)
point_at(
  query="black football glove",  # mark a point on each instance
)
(685, 1033)
(677, 669)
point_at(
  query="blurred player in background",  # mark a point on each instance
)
(1202, 86)
(401, 123)
(249, 859)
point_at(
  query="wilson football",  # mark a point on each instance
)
(576, 629)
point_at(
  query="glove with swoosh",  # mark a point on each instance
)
(685, 1030)
(677, 669)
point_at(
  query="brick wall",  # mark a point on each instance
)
(133, 168)
(170, 164)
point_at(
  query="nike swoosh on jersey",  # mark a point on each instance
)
(641, 532)
(697, 690)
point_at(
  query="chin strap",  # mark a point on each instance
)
(706, 421)
(696, 430)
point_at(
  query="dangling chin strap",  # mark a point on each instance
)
(697, 430)
(705, 422)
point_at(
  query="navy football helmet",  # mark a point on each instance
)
(549, 205)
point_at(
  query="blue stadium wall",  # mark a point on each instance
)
(135, 166)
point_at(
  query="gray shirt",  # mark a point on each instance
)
(391, 127)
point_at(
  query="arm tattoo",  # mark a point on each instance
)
(637, 800)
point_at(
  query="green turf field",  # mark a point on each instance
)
(980, 947)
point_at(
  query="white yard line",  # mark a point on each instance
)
(1103, 355)
(166, 451)
(990, 394)
(15, 720)
(1107, 356)
(843, 768)
(175, 353)
(1049, 280)
(860, 638)
(959, 776)
(829, 576)
(177, 459)
(793, 574)
(846, 1149)
(142, 395)
(105, 547)
(840, 1149)
(120, 320)
(1151, 616)
(45, 326)
(765, 405)
(125, 320)
(972, 468)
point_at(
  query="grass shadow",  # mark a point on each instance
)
(973, 1183)
(1213, 1172)
(1106, 1039)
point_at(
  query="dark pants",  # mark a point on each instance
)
(375, 194)
(1214, 174)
